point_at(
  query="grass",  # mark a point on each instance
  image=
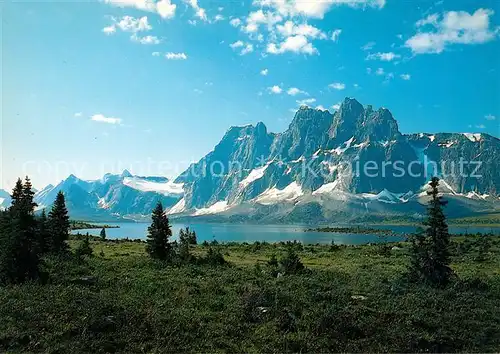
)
(349, 299)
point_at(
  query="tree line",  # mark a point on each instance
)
(25, 238)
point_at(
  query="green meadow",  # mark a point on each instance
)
(347, 299)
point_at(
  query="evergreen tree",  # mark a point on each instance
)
(103, 234)
(186, 238)
(59, 225)
(84, 248)
(19, 256)
(158, 246)
(43, 233)
(430, 256)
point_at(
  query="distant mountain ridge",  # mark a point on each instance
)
(312, 172)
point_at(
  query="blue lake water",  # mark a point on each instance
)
(270, 233)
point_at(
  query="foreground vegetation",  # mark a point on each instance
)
(348, 298)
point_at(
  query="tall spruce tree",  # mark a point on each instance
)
(430, 255)
(19, 256)
(43, 233)
(158, 246)
(103, 234)
(59, 225)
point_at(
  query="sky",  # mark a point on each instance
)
(151, 86)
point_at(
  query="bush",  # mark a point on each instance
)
(84, 249)
(334, 247)
(290, 263)
(214, 258)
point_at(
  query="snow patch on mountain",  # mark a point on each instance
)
(474, 137)
(326, 188)
(178, 208)
(103, 204)
(274, 195)
(385, 197)
(443, 187)
(254, 175)
(342, 148)
(143, 185)
(216, 208)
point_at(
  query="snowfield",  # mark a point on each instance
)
(254, 175)
(178, 208)
(218, 207)
(274, 195)
(168, 188)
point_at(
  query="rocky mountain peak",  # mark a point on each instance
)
(126, 173)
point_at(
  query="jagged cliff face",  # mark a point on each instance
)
(353, 162)
(318, 148)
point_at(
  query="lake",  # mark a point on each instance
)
(269, 233)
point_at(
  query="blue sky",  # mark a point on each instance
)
(95, 87)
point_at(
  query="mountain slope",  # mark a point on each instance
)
(113, 196)
(357, 152)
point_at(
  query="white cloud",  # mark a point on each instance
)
(390, 56)
(405, 76)
(355, 85)
(291, 29)
(245, 47)
(454, 27)
(490, 117)
(295, 44)
(380, 72)
(78, 114)
(293, 91)
(176, 56)
(132, 24)
(199, 11)
(368, 46)
(368, 70)
(198, 91)
(481, 126)
(259, 17)
(337, 86)
(218, 18)
(128, 24)
(156, 54)
(314, 9)
(306, 102)
(264, 72)
(429, 20)
(275, 89)
(335, 35)
(164, 8)
(320, 107)
(336, 106)
(235, 22)
(103, 119)
(145, 39)
(109, 30)
(237, 44)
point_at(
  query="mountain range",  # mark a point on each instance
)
(354, 165)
